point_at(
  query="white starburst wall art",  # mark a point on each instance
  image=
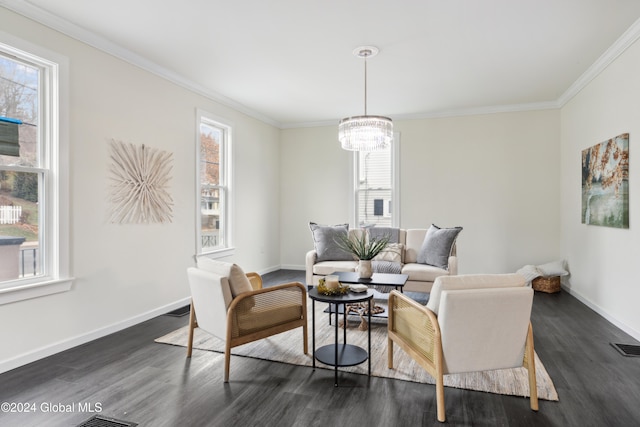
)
(139, 181)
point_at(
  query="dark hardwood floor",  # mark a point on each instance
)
(132, 378)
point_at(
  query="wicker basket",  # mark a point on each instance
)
(549, 285)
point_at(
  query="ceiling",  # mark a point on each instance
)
(290, 62)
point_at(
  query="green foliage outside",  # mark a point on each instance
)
(25, 186)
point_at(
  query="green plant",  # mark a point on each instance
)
(360, 245)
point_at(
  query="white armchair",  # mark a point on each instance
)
(471, 323)
(233, 306)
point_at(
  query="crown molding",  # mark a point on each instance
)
(628, 38)
(510, 108)
(37, 14)
(477, 111)
(323, 123)
(43, 17)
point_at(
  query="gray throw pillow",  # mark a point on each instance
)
(437, 245)
(324, 240)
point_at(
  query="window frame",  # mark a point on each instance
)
(54, 152)
(395, 184)
(225, 187)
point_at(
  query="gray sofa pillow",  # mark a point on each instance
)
(324, 240)
(437, 246)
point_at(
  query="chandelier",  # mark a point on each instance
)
(365, 133)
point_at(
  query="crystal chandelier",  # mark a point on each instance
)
(365, 133)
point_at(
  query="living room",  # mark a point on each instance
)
(510, 177)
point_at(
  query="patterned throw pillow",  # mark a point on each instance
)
(392, 253)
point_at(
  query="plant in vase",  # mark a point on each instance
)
(364, 249)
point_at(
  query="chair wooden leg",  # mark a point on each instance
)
(439, 376)
(440, 397)
(227, 361)
(531, 369)
(305, 343)
(389, 353)
(192, 325)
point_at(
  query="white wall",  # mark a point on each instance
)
(313, 187)
(496, 175)
(126, 273)
(603, 261)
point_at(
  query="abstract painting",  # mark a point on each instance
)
(605, 183)
(139, 184)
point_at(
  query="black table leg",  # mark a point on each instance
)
(313, 327)
(344, 323)
(369, 337)
(335, 384)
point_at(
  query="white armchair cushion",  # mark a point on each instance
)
(211, 298)
(238, 281)
(484, 329)
(471, 281)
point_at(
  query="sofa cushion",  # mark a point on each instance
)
(413, 240)
(437, 245)
(423, 272)
(327, 267)
(471, 281)
(324, 241)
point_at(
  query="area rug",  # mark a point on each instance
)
(287, 348)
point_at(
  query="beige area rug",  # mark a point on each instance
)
(287, 348)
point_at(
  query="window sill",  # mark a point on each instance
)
(218, 253)
(33, 290)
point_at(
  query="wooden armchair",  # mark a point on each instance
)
(235, 308)
(471, 323)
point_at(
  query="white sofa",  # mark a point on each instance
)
(421, 276)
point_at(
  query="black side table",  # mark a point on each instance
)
(340, 354)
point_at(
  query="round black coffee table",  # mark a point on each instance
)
(337, 354)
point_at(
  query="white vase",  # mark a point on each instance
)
(364, 269)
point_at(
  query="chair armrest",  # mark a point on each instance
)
(453, 265)
(255, 279)
(415, 328)
(310, 260)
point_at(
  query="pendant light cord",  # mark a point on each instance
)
(365, 54)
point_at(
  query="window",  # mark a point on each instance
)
(213, 186)
(33, 195)
(375, 187)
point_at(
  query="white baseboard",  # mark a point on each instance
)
(49, 350)
(268, 270)
(625, 328)
(292, 267)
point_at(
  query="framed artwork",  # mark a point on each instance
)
(605, 183)
(139, 190)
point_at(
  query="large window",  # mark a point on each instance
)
(213, 186)
(33, 247)
(375, 187)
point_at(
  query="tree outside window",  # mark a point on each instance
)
(22, 175)
(213, 185)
